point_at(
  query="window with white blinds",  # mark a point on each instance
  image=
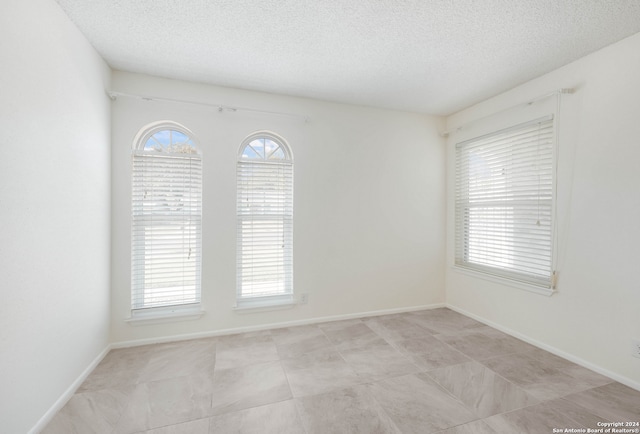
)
(504, 203)
(166, 219)
(264, 221)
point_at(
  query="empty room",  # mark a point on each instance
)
(319, 216)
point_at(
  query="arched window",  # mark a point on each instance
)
(265, 221)
(166, 218)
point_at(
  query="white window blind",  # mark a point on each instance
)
(504, 203)
(166, 222)
(265, 222)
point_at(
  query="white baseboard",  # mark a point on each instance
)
(66, 396)
(575, 359)
(230, 331)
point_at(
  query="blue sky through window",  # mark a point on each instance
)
(263, 149)
(169, 140)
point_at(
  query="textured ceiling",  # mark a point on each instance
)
(430, 56)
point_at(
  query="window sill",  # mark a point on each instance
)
(246, 306)
(505, 281)
(164, 316)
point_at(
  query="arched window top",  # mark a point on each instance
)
(166, 137)
(265, 146)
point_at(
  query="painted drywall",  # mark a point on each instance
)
(54, 209)
(594, 315)
(369, 203)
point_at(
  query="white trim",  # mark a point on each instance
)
(553, 350)
(235, 330)
(174, 314)
(504, 281)
(66, 396)
(248, 306)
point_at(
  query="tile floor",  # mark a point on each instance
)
(432, 371)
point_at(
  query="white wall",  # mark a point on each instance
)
(54, 209)
(368, 212)
(594, 315)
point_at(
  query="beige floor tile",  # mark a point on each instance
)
(418, 405)
(443, 321)
(550, 360)
(291, 335)
(167, 402)
(481, 389)
(278, 418)
(244, 350)
(241, 338)
(427, 371)
(247, 355)
(543, 418)
(421, 345)
(313, 374)
(248, 386)
(295, 342)
(179, 359)
(475, 427)
(615, 402)
(198, 426)
(395, 327)
(483, 342)
(575, 412)
(429, 353)
(346, 335)
(346, 411)
(90, 412)
(544, 377)
(120, 368)
(378, 362)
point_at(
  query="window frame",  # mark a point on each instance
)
(286, 164)
(501, 273)
(182, 309)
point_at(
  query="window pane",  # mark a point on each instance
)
(258, 147)
(265, 210)
(277, 155)
(504, 199)
(166, 222)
